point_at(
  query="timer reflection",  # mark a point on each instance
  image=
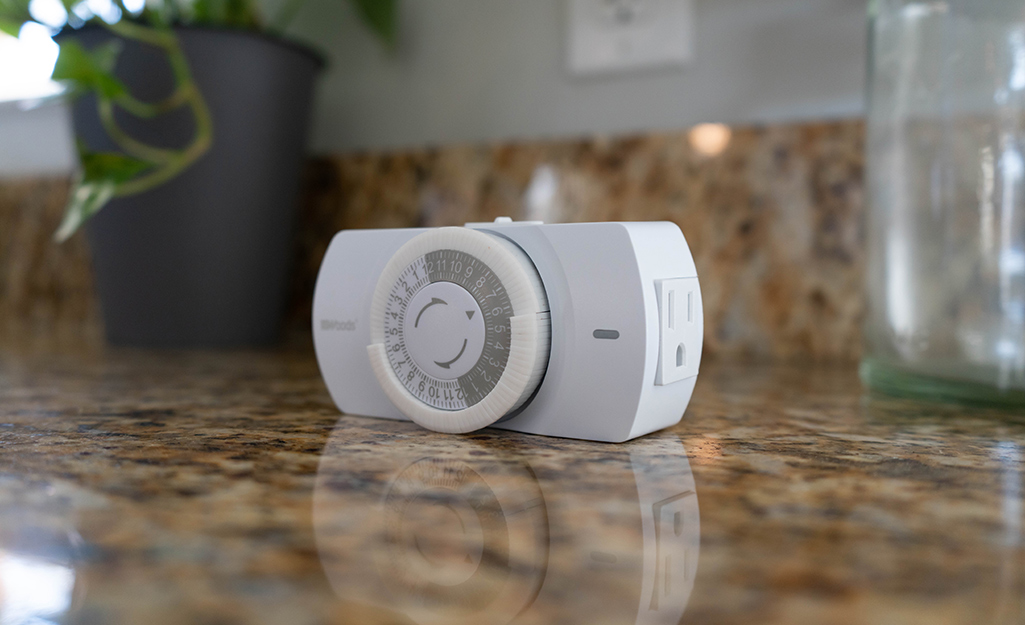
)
(499, 527)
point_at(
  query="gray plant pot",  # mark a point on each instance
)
(203, 260)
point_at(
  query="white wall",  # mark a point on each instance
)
(35, 142)
(470, 70)
(480, 70)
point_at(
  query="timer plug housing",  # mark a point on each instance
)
(599, 338)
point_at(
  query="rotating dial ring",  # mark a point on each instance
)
(483, 318)
(459, 329)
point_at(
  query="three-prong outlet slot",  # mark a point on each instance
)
(680, 328)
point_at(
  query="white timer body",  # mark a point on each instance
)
(589, 331)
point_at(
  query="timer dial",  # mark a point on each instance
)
(460, 329)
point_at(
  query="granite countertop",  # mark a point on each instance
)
(140, 487)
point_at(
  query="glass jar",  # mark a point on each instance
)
(946, 191)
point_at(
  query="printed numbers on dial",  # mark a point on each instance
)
(490, 295)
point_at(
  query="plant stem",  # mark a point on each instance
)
(125, 141)
(162, 38)
(170, 162)
(152, 109)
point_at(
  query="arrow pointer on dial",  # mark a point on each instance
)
(434, 300)
(448, 363)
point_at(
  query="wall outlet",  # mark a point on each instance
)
(681, 324)
(620, 35)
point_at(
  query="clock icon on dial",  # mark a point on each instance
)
(441, 314)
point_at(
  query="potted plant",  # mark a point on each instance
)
(191, 119)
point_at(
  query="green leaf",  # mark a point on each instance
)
(241, 14)
(105, 55)
(203, 11)
(13, 13)
(160, 14)
(16, 10)
(10, 26)
(89, 71)
(102, 172)
(73, 67)
(86, 199)
(381, 16)
(231, 13)
(111, 166)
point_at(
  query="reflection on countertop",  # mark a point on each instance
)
(225, 488)
(482, 529)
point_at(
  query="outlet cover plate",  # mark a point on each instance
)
(623, 35)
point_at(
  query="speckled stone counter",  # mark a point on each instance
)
(774, 223)
(225, 488)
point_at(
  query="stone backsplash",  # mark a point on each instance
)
(774, 222)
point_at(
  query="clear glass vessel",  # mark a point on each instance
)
(946, 182)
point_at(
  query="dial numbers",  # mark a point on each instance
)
(490, 295)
